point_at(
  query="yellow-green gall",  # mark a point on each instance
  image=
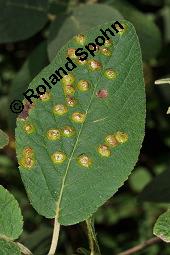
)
(84, 160)
(69, 90)
(80, 39)
(108, 43)
(94, 65)
(68, 131)
(111, 140)
(27, 162)
(121, 30)
(81, 62)
(29, 128)
(71, 101)
(71, 53)
(110, 74)
(83, 85)
(121, 137)
(60, 109)
(54, 134)
(58, 157)
(28, 151)
(68, 79)
(106, 52)
(94, 48)
(78, 117)
(45, 97)
(104, 150)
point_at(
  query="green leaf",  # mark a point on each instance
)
(21, 19)
(80, 20)
(4, 139)
(9, 248)
(68, 190)
(139, 179)
(11, 221)
(158, 190)
(32, 66)
(162, 227)
(147, 31)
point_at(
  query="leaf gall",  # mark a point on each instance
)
(78, 117)
(60, 109)
(84, 160)
(58, 157)
(104, 150)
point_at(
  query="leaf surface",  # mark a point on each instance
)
(11, 221)
(68, 190)
(162, 227)
(147, 30)
(80, 20)
(9, 248)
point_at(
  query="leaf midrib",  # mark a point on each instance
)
(70, 159)
(58, 202)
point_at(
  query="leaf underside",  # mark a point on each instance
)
(68, 191)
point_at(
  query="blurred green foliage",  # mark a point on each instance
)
(26, 36)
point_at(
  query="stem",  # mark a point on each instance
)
(92, 238)
(141, 246)
(55, 237)
(91, 244)
(24, 250)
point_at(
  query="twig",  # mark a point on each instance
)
(55, 237)
(141, 246)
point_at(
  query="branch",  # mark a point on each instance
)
(141, 246)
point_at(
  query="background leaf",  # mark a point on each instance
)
(35, 62)
(4, 140)
(80, 20)
(162, 227)
(147, 31)
(139, 178)
(76, 191)
(11, 221)
(9, 248)
(158, 190)
(21, 19)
